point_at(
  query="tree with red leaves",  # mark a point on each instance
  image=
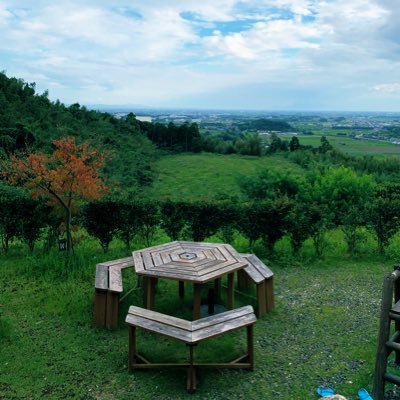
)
(69, 175)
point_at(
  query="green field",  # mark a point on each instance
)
(353, 146)
(193, 176)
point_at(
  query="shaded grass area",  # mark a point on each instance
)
(322, 332)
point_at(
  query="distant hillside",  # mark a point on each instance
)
(29, 119)
(264, 124)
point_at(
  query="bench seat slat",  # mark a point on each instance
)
(138, 261)
(159, 327)
(218, 318)
(254, 274)
(156, 316)
(260, 266)
(128, 261)
(101, 277)
(223, 327)
(190, 332)
(115, 279)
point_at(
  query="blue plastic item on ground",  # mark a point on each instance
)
(364, 395)
(325, 391)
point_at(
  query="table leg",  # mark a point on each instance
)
(181, 289)
(217, 289)
(231, 292)
(151, 283)
(196, 300)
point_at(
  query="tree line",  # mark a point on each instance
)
(274, 206)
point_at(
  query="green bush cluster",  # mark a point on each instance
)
(273, 205)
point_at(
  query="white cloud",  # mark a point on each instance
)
(152, 51)
(387, 88)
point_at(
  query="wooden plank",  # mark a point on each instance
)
(101, 281)
(157, 260)
(222, 317)
(218, 329)
(163, 318)
(222, 271)
(148, 261)
(119, 261)
(260, 266)
(159, 327)
(138, 261)
(254, 274)
(115, 279)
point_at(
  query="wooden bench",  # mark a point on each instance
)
(108, 287)
(262, 276)
(190, 333)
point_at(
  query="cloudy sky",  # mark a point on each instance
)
(228, 54)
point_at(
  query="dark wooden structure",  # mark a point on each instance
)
(387, 343)
(108, 288)
(190, 333)
(263, 277)
(193, 262)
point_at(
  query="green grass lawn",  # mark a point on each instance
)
(353, 146)
(322, 332)
(194, 176)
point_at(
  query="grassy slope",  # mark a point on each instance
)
(207, 175)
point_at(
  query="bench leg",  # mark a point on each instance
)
(250, 346)
(231, 291)
(132, 348)
(243, 280)
(100, 304)
(191, 382)
(112, 310)
(269, 294)
(261, 299)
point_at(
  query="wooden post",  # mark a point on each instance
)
(191, 377)
(269, 294)
(181, 289)
(100, 307)
(243, 280)
(231, 291)
(112, 310)
(384, 331)
(261, 299)
(132, 347)
(196, 300)
(250, 346)
(151, 284)
(217, 289)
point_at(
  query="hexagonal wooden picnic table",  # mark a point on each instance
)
(193, 262)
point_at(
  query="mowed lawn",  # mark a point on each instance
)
(196, 176)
